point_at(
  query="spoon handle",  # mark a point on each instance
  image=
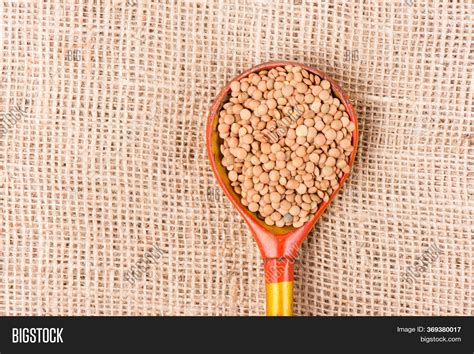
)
(279, 286)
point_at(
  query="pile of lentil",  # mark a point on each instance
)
(284, 182)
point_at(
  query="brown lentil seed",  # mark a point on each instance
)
(285, 179)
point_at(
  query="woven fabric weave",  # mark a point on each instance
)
(109, 206)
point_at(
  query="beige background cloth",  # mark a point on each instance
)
(109, 161)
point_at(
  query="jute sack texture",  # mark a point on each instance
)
(108, 203)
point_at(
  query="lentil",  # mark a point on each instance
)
(284, 180)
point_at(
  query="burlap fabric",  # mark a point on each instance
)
(109, 206)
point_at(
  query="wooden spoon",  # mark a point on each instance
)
(278, 245)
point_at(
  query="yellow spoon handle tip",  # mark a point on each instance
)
(280, 299)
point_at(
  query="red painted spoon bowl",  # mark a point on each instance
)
(278, 245)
